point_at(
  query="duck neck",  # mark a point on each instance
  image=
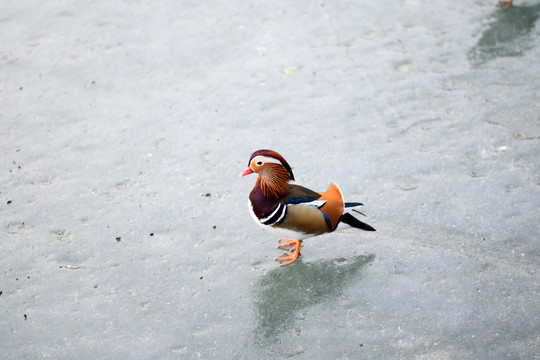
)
(273, 186)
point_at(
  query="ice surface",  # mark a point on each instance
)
(124, 226)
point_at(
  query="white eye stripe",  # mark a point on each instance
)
(259, 160)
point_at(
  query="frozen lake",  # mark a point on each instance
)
(124, 228)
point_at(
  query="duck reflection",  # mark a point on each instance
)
(507, 35)
(282, 292)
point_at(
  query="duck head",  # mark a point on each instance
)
(273, 170)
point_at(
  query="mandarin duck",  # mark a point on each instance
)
(291, 211)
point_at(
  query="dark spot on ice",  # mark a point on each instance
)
(0, 292)
(95, 286)
(25, 317)
(118, 238)
(475, 175)
(151, 234)
(207, 194)
(9, 201)
(214, 226)
(200, 278)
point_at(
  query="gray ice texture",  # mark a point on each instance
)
(124, 228)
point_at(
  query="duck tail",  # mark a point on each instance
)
(354, 222)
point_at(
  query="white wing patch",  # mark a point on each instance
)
(350, 208)
(316, 203)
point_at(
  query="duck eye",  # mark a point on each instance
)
(259, 163)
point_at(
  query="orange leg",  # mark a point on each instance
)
(290, 256)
